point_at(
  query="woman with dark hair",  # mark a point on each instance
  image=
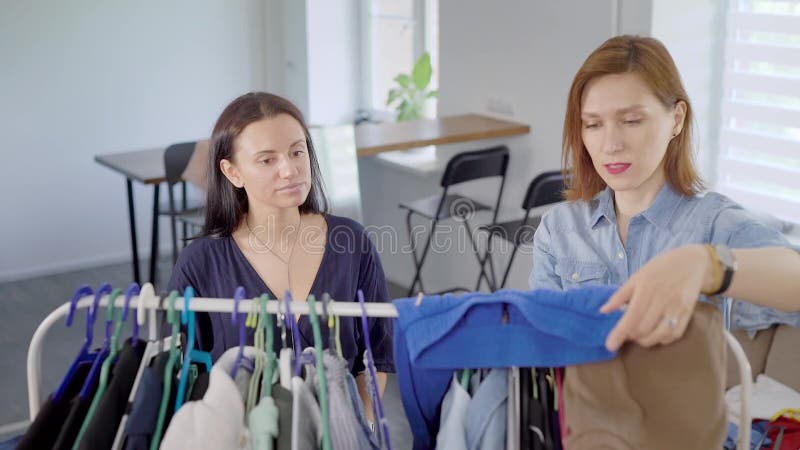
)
(268, 229)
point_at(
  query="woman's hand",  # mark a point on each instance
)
(659, 299)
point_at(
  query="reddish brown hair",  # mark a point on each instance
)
(648, 58)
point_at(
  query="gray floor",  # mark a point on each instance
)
(24, 304)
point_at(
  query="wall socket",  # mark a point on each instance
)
(500, 105)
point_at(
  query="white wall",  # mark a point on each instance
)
(333, 34)
(82, 78)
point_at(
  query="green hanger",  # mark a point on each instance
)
(106, 367)
(266, 322)
(172, 317)
(323, 385)
(465, 377)
(254, 321)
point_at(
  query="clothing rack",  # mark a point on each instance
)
(152, 303)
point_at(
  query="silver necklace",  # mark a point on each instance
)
(288, 262)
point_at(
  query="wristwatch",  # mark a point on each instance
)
(724, 267)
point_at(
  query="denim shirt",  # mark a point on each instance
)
(577, 243)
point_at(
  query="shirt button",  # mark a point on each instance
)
(575, 276)
(621, 255)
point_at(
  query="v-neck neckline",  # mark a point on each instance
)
(268, 290)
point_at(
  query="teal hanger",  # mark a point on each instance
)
(191, 354)
(106, 367)
(323, 385)
(168, 376)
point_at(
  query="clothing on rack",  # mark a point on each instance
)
(487, 413)
(769, 397)
(102, 428)
(218, 420)
(46, 427)
(630, 401)
(558, 329)
(144, 410)
(216, 267)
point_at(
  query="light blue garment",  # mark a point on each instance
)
(487, 413)
(577, 243)
(452, 432)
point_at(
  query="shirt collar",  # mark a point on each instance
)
(603, 204)
(658, 213)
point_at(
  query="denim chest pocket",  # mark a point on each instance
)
(575, 273)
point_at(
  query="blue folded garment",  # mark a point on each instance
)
(507, 328)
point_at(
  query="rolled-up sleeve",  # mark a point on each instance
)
(738, 228)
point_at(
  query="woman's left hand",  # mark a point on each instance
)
(659, 299)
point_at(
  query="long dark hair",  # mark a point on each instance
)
(225, 203)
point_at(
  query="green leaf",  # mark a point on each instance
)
(422, 71)
(432, 94)
(403, 80)
(394, 94)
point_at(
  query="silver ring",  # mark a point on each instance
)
(672, 322)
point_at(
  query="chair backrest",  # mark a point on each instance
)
(474, 165)
(546, 188)
(187, 161)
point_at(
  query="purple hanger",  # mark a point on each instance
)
(133, 289)
(377, 404)
(238, 296)
(84, 355)
(94, 372)
(291, 323)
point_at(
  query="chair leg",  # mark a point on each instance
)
(184, 206)
(172, 221)
(418, 263)
(481, 261)
(508, 267)
(154, 240)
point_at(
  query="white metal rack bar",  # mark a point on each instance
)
(346, 309)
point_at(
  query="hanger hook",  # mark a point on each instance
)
(81, 292)
(238, 296)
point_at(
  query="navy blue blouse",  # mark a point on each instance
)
(216, 267)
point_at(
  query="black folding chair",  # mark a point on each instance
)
(467, 166)
(176, 160)
(545, 189)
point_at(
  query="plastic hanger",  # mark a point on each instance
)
(114, 348)
(238, 296)
(269, 348)
(377, 404)
(168, 371)
(327, 444)
(285, 357)
(255, 321)
(296, 343)
(333, 324)
(84, 355)
(191, 354)
(94, 372)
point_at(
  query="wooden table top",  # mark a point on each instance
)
(145, 166)
(374, 138)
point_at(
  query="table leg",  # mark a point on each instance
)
(154, 240)
(132, 221)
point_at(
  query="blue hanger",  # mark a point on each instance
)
(191, 355)
(94, 372)
(84, 355)
(247, 363)
(377, 404)
(291, 323)
(133, 289)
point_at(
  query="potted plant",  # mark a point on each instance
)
(412, 92)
